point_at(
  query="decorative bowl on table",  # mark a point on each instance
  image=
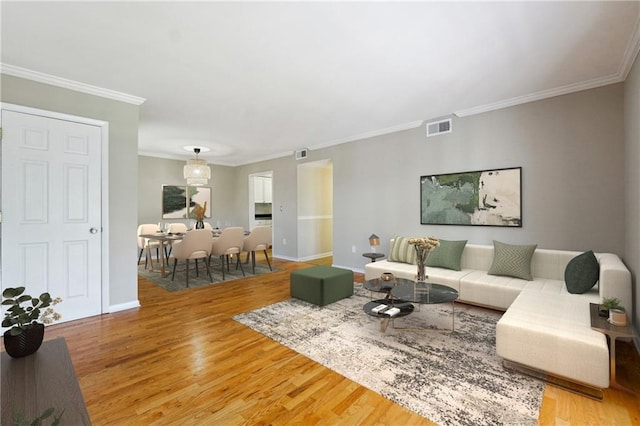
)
(387, 276)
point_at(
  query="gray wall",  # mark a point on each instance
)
(123, 169)
(571, 149)
(155, 172)
(632, 179)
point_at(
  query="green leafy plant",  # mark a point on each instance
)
(609, 303)
(24, 310)
(21, 421)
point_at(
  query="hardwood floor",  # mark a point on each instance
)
(180, 359)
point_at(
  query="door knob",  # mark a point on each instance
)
(93, 230)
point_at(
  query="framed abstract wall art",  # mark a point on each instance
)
(484, 198)
(175, 205)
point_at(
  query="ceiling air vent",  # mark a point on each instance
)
(301, 154)
(439, 127)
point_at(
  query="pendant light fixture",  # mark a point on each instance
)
(196, 171)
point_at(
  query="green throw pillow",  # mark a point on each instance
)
(582, 273)
(402, 251)
(447, 255)
(512, 260)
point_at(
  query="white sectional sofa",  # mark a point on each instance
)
(544, 327)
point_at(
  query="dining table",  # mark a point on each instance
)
(163, 238)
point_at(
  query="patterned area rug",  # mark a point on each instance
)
(179, 283)
(450, 378)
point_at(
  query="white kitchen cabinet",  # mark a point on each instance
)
(262, 191)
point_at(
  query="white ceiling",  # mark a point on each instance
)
(253, 81)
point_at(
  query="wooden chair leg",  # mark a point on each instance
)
(140, 257)
(222, 264)
(253, 261)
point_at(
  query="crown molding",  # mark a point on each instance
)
(562, 90)
(630, 52)
(628, 58)
(371, 134)
(40, 77)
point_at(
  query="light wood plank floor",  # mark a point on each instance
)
(181, 360)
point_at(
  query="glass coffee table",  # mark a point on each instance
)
(426, 294)
(378, 285)
(378, 308)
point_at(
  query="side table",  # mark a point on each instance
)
(613, 332)
(46, 379)
(373, 256)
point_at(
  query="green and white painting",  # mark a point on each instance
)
(486, 198)
(174, 201)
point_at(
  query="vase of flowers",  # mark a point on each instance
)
(423, 247)
(199, 212)
(26, 316)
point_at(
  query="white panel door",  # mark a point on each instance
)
(51, 205)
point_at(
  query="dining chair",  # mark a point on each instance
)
(174, 228)
(144, 243)
(208, 226)
(230, 242)
(195, 245)
(258, 239)
(177, 228)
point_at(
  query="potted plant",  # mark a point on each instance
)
(199, 212)
(607, 304)
(26, 315)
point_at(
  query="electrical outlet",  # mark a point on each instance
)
(353, 249)
(284, 241)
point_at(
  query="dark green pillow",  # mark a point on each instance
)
(447, 255)
(582, 273)
(512, 260)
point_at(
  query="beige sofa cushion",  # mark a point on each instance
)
(549, 330)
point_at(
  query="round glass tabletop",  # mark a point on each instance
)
(427, 293)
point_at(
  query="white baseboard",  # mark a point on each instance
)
(348, 267)
(278, 256)
(303, 259)
(124, 306)
(315, 256)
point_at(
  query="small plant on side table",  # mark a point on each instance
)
(607, 304)
(26, 315)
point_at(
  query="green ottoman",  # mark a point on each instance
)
(321, 285)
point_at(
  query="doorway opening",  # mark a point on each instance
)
(261, 199)
(315, 210)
